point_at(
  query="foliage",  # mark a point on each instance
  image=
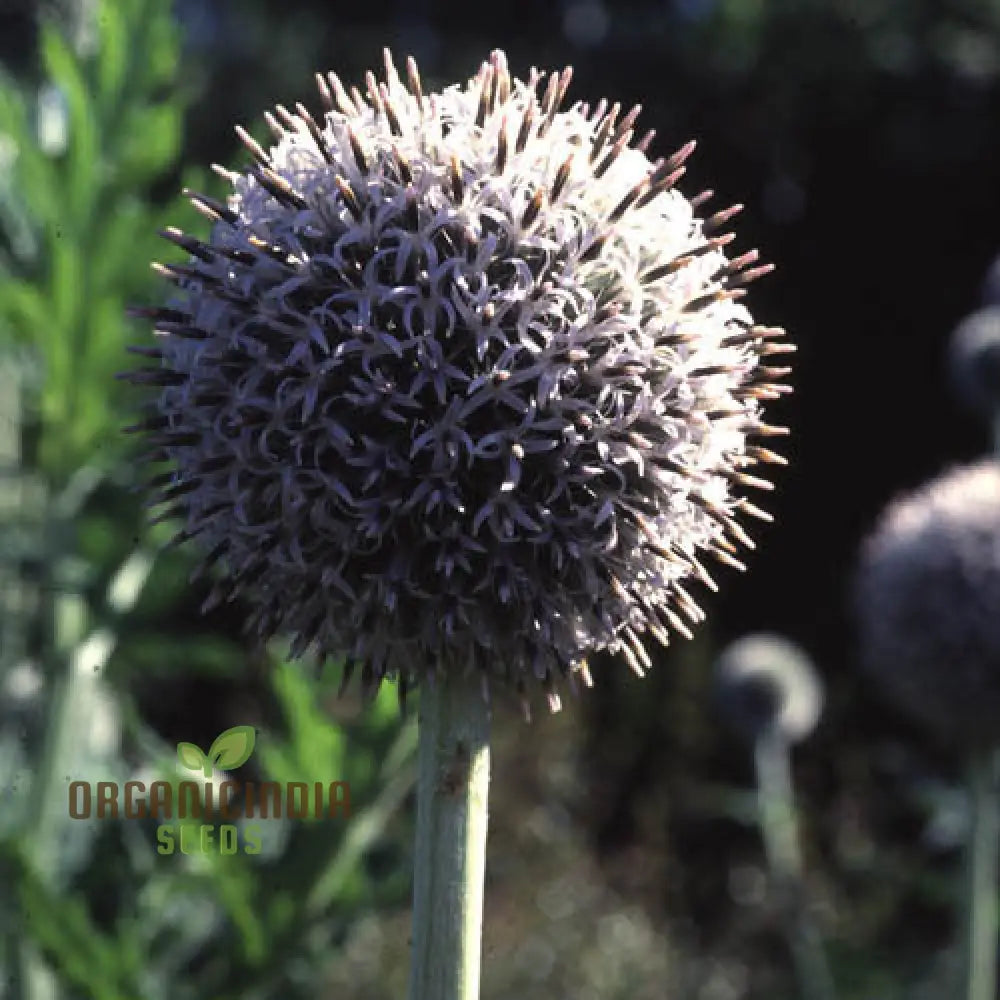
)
(92, 909)
(211, 925)
(77, 230)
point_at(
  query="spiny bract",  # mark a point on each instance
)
(459, 379)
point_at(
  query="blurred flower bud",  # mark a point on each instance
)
(974, 360)
(927, 603)
(765, 682)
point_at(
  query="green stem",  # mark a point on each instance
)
(781, 844)
(450, 854)
(980, 903)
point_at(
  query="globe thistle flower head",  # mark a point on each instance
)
(926, 595)
(974, 360)
(460, 379)
(764, 683)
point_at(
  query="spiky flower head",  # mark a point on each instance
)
(765, 683)
(926, 597)
(460, 378)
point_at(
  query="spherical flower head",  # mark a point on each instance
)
(926, 597)
(974, 360)
(460, 380)
(766, 684)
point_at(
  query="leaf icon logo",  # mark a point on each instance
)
(231, 748)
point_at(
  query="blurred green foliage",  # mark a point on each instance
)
(78, 228)
(90, 909)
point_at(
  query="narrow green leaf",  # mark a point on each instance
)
(66, 296)
(84, 156)
(105, 338)
(112, 59)
(236, 887)
(162, 45)
(33, 174)
(119, 261)
(62, 927)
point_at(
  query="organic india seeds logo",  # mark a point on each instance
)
(230, 749)
(184, 810)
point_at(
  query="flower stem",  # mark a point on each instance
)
(779, 830)
(450, 853)
(980, 944)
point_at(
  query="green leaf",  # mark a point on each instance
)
(35, 180)
(122, 246)
(60, 342)
(236, 887)
(317, 748)
(113, 53)
(191, 756)
(233, 747)
(151, 142)
(161, 48)
(94, 420)
(23, 311)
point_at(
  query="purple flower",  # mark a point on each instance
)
(460, 379)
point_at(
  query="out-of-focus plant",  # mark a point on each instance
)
(90, 909)
(208, 926)
(772, 696)
(927, 588)
(79, 159)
